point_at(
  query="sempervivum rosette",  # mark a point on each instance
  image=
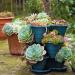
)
(25, 34)
(35, 52)
(18, 24)
(8, 29)
(63, 54)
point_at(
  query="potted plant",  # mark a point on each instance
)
(18, 33)
(35, 56)
(39, 26)
(64, 54)
(60, 25)
(53, 42)
(5, 17)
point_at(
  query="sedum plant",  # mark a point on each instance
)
(64, 54)
(25, 34)
(8, 29)
(52, 37)
(35, 52)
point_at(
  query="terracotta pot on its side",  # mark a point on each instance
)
(2, 22)
(15, 47)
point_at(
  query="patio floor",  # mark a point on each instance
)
(13, 65)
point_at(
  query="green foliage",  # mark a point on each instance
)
(35, 52)
(64, 54)
(8, 29)
(25, 34)
(33, 6)
(72, 59)
(64, 9)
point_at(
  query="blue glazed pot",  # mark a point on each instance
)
(52, 49)
(56, 66)
(38, 33)
(61, 29)
(41, 67)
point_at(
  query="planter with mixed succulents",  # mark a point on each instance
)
(39, 22)
(18, 33)
(60, 25)
(5, 17)
(53, 42)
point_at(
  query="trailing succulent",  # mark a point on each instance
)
(35, 52)
(64, 54)
(8, 29)
(52, 37)
(25, 34)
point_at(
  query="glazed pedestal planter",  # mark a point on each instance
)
(61, 28)
(38, 33)
(15, 47)
(52, 49)
(2, 22)
(41, 67)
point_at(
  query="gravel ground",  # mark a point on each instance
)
(13, 65)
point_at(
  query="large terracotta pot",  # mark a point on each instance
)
(2, 22)
(15, 47)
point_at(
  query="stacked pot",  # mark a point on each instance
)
(39, 29)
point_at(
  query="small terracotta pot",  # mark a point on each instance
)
(15, 47)
(2, 22)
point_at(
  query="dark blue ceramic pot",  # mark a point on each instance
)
(41, 67)
(60, 28)
(52, 49)
(56, 66)
(38, 33)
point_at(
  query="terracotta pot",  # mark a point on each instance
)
(15, 47)
(2, 22)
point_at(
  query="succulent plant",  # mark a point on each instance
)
(25, 34)
(53, 37)
(6, 14)
(64, 54)
(8, 29)
(35, 52)
(40, 19)
(18, 24)
(40, 22)
(59, 22)
(42, 15)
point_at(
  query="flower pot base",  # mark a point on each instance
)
(41, 67)
(56, 66)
